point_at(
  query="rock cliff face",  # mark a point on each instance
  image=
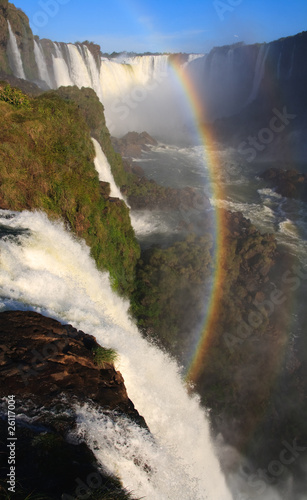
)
(24, 37)
(44, 363)
(235, 75)
(132, 144)
(242, 85)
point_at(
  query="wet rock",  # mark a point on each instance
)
(42, 358)
(288, 183)
(47, 368)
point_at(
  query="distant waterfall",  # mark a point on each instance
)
(121, 85)
(41, 65)
(259, 71)
(104, 170)
(145, 93)
(292, 63)
(14, 55)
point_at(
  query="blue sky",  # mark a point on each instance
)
(163, 25)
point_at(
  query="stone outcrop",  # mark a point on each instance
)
(42, 358)
(148, 194)
(288, 183)
(132, 144)
(48, 367)
(24, 38)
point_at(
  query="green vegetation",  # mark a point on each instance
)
(46, 163)
(233, 391)
(173, 288)
(103, 355)
(14, 96)
(169, 294)
(140, 192)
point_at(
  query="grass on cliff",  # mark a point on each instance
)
(103, 355)
(144, 192)
(46, 163)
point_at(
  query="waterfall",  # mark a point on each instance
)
(132, 84)
(14, 55)
(93, 69)
(40, 270)
(259, 71)
(143, 92)
(291, 63)
(104, 170)
(230, 76)
(78, 70)
(41, 65)
(60, 68)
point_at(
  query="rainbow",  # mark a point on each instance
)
(211, 159)
(201, 348)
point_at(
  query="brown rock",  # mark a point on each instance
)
(132, 144)
(42, 358)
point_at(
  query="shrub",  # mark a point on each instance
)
(15, 97)
(103, 355)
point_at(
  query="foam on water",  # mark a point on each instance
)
(260, 215)
(147, 222)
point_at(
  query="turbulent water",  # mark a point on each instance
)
(240, 188)
(46, 269)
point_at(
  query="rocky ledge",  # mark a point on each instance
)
(288, 183)
(47, 367)
(132, 144)
(148, 194)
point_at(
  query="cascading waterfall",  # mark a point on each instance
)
(14, 54)
(41, 64)
(40, 269)
(291, 64)
(120, 86)
(135, 91)
(104, 170)
(93, 70)
(259, 71)
(60, 68)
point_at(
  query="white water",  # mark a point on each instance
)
(259, 71)
(15, 54)
(60, 68)
(49, 271)
(104, 170)
(41, 64)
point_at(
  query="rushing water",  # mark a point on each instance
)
(44, 268)
(14, 54)
(241, 190)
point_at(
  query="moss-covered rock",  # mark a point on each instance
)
(170, 286)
